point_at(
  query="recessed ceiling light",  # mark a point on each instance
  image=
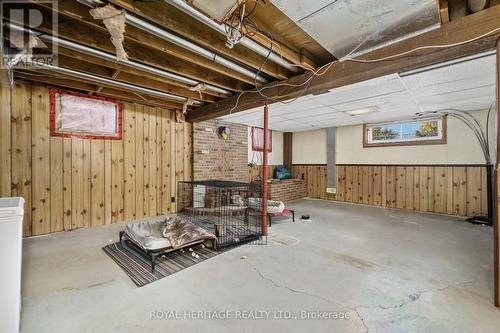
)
(357, 112)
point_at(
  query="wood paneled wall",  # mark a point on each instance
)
(456, 190)
(73, 183)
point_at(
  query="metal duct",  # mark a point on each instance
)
(474, 6)
(113, 83)
(111, 57)
(331, 167)
(163, 34)
(247, 42)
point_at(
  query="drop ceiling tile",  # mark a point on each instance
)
(467, 86)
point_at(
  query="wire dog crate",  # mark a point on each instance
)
(231, 210)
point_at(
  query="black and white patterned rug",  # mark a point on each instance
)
(138, 266)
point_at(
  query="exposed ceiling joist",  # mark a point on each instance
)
(135, 37)
(90, 36)
(444, 13)
(61, 81)
(102, 71)
(178, 22)
(167, 85)
(345, 73)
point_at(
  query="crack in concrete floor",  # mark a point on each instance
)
(413, 297)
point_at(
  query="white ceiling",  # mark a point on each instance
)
(466, 85)
(342, 26)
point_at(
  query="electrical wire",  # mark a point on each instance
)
(325, 68)
(472, 123)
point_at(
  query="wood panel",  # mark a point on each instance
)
(21, 149)
(129, 162)
(5, 143)
(457, 190)
(98, 185)
(67, 184)
(56, 184)
(165, 162)
(40, 161)
(71, 183)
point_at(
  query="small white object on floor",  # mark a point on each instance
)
(193, 254)
(190, 250)
(202, 246)
(243, 257)
(197, 257)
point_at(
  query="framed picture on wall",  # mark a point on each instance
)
(258, 139)
(83, 116)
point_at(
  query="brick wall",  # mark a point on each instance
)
(288, 190)
(226, 159)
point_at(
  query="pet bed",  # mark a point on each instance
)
(273, 206)
(163, 234)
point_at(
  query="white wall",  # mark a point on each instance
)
(275, 157)
(461, 148)
(309, 147)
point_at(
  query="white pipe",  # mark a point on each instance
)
(111, 57)
(169, 37)
(165, 35)
(110, 82)
(247, 42)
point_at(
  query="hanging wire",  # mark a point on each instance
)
(471, 122)
(245, 22)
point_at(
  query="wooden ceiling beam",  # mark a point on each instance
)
(90, 36)
(80, 12)
(61, 80)
(118, 75)
(87, 88)
(444, 13)
(341, 74)
(184, 25)
(172, 86)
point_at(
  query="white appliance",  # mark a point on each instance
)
(11, 237)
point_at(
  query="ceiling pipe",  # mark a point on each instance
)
(165, 35)
(111, 57)
(169, 37)
(245, 41)
(110, 82)
(474, 6)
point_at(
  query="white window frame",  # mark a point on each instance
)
(440, 138)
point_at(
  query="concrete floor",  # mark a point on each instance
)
(388, 270)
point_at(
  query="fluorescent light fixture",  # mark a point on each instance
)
(358, 112)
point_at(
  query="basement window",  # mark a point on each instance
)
(418, 132)
(258, 139)
(83, 116)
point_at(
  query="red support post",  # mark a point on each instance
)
(265, 173)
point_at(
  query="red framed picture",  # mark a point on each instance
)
(258, 139)
(75, 115)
